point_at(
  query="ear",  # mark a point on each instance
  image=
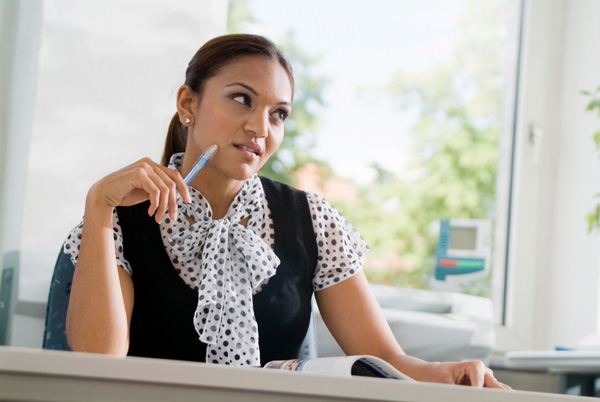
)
(186, 105)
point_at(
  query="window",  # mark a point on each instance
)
(403, 121)
(399, 120)
(555, 273)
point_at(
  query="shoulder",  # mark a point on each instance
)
(277, 186)
(321, 208)
(281, 195)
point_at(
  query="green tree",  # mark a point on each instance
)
(454, 148)
(454, 155)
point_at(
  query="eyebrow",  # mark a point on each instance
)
(249, 88)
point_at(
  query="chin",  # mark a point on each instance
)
(243, 174)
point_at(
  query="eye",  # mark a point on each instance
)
(241, 98)
(281, 115)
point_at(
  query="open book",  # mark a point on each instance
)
(368, 366)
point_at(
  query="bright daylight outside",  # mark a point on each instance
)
(396, 120)
(397, 117)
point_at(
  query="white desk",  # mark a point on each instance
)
(576, 367)
(36, 375)
(566, 361)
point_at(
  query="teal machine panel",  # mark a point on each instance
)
(463, 251)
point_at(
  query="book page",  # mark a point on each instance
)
(336, 365)
(368, 366)
(375, 367)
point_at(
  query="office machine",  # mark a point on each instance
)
(434, 326)
(440, 325)
(463, 252)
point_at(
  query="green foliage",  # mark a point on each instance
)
(593, 216)
(454, 149)
(454, 156)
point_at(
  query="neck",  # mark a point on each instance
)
(218, 193)
(218, 189)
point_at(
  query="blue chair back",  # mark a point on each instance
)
(55, 332)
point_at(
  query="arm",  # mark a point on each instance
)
(354, 318)
(102, 295)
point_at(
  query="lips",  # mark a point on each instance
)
(250, 147)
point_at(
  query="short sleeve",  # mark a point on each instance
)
(341, 249)
(73, 242)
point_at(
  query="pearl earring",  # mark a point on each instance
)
(187, 120)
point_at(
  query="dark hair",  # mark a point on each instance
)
(206, 63)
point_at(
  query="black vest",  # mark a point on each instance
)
(162, 321)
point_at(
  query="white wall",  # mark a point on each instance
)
(575, 257)
(90, 87)
(554, 265)
(108, 75)
(20, 26)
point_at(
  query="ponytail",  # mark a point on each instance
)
(176, 139)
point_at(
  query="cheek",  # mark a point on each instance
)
(211, 119)
(274, 142)
(213, 113)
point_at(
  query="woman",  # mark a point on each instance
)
(234, 253)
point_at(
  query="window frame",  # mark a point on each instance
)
(552, 265)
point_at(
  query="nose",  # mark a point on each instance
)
(257, 124)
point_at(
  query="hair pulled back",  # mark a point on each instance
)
(206, 63)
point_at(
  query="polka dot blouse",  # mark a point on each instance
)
(202, 249)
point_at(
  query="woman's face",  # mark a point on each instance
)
(243, 110)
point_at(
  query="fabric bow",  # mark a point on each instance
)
(235, 263)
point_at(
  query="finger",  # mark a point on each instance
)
(475, 375)
(163, 194)
(172, 192)
(492, 382)
(183, 188)
(156, 180)
(153, 192)
(180, 184)
(148, 181)
(142, 182)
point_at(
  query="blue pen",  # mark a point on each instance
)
(210, 152)
(205, 157)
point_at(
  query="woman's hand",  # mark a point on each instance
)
(473, 373)
(138, 182)
(102, 295)
(354, 318)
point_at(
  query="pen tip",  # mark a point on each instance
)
(212, 149)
